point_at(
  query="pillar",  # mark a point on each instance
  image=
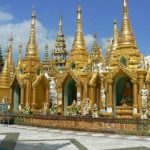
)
(85, 91)
(93, 93)
(148, 87)
(141, 83)
(22, 97)
(98, 96)
(28, 93)
(135, 96)
(110, 96)
(34, 98)
(60, 101)
(11, 99)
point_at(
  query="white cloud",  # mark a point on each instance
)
(5, 16)
(20, 32)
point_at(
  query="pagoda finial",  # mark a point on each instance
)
(96, 54)
(125, 3)
(20, 54)
(46, 57)
(115, 38)
(126, 37)
(79, 19)
(10, 54)
(108, 44)
(32, 46)
(95, 36)
(61, 25)
(79, 42)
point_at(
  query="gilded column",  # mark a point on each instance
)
(93, 93)
(22, 97)
(141, 83)
(85, 91)
(34, 98)
(148, 87)
(28, 93)
(98, 96)
(110, 96)
(106, 90)
(135, 97)
(60, 101)
(11, 99)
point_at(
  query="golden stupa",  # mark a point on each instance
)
(122, 73)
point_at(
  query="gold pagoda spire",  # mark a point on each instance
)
(96, 54)
(46, 57)
(20, 54)
(60, 25)
(126, 37)
(108, 53)
(10, 55)
(4, 77)
(46, 61)
(59, 54)
(115, 38)
(10, 59)
(79, 42)
(79, 53)
(31, 50)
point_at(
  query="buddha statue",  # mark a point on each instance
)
(127, 94)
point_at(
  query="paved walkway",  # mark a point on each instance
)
(14, 137)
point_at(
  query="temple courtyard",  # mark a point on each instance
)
(15, 137)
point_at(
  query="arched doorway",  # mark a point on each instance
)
(16, 97)
(70, 93)
(123, 92)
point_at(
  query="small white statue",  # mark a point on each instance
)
(54, 108)
(3, 100)
(95, 68)
(19, 107)
(103, 96)
(144, 113)
(144, 95)
(100, 69)
(86, 107)
(95, 111)
(142, 63)
(45, 108)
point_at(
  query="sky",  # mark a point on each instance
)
(98, 16)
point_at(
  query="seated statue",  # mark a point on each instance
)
(74, 108)
(144, 113)
(86, 107)
(45, 108)
(95, 111)
(127, 94)
(54, 108)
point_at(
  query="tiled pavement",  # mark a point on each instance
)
(14, 137)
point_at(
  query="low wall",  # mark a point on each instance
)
(107, 125)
